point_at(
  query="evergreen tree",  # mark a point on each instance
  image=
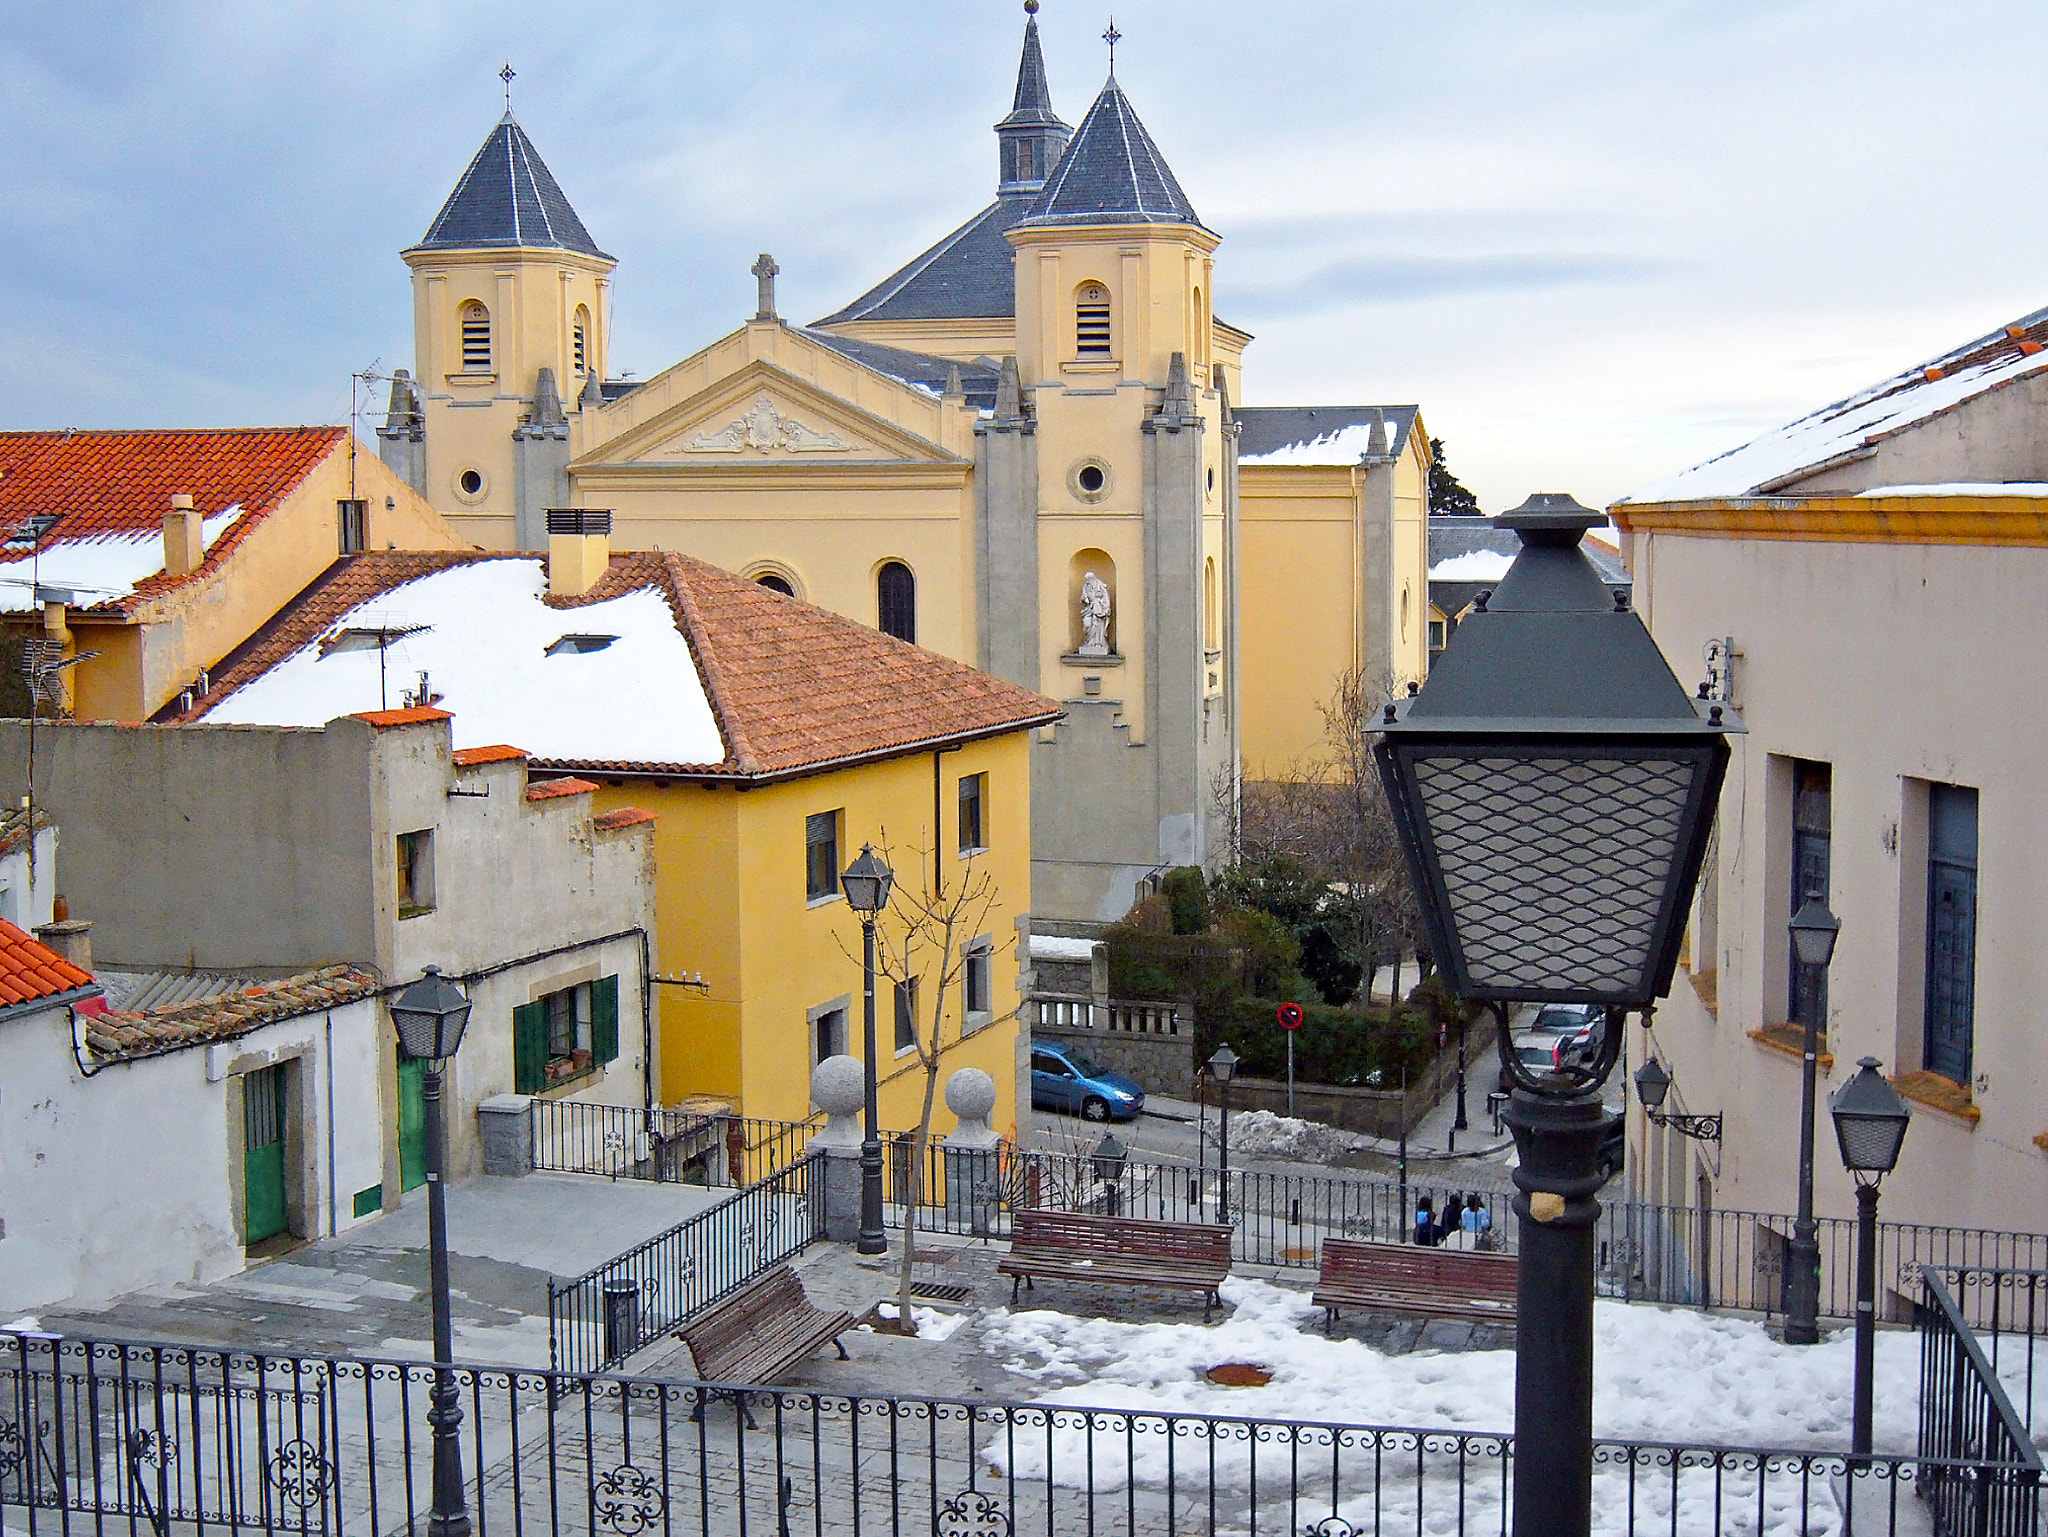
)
(1446, 494)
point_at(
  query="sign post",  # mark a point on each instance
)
(1290, 1021)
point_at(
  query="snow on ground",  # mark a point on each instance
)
(932, 1324)
(1262, 1134)
(1053, 947)
(1659, 1375)
(485, 654)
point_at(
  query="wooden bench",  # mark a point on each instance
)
(1415, 1279)
(1118, 1251)
(760, 1333)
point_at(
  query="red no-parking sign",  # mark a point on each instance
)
(1290, 1016)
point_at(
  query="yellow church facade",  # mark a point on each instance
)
(1024, 449)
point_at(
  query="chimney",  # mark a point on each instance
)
(184, 538)
(70, 937)
(579, 548)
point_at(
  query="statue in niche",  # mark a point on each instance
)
(1095, 611)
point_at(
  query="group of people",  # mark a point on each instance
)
(1465, 1223)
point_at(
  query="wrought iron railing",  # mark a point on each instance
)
(153, 1436)
(676, 1146)
(1985, 1476)
(605, 1314)
(2007, 1310)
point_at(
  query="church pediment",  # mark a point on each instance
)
(764, 416)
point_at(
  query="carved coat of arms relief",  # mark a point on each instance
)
(763, 430)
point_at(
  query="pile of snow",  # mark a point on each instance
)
(1262, 1134)
(1472, 566)
(932, 1324)
(638, 700)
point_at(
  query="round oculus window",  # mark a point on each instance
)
(1091, 479)
(471, 481)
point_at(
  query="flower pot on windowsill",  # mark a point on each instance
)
(579, 1060)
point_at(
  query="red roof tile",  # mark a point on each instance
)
(551, 789)
(625, 816)
(98, 483)
(30, 969)
(471, 757)
(417, 715)
(118, 1034)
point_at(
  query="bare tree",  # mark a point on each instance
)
(923, 948)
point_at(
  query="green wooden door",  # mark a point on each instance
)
(263, 1154)
(412, 1124)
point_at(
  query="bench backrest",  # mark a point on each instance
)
(724, 1329)
(1458, 1272)
(1086, 1234)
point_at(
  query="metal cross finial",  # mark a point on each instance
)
(1112, 37)
(506, 74)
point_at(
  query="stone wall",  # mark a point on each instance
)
(1377, 1112)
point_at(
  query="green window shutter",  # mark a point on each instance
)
(529, 1048)
(604, 1020)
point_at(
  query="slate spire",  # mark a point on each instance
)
(1112, 173)
(1032, 137)
(508, 198)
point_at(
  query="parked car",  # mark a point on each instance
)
(1539, 1053)
(1576, 1025)
(1613, 1149)
(1063, 1078)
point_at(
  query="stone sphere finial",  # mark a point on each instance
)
(971, 1096)
(839, 1088)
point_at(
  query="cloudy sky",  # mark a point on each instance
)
(1596, 240)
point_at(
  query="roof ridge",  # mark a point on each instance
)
(909, 274)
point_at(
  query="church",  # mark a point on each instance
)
(1026, 449)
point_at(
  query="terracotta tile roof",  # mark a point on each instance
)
(554, 789)
(416, 715)
(473, 757)
(30, 969)
(125, 1035)
(625, 816)
(795, 688)
(100, 483)
(14, 827)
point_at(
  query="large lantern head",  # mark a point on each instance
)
(1553, 786)
(430, 1016)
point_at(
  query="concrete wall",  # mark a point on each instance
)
(132, 1177)
(1159, 1064)
(1898, 664)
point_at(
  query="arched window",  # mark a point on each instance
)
(896, 601)
(476, 338)
(1200, 351)
(775, 583)
(579, 342)
(1211, 620)
(1091, 321)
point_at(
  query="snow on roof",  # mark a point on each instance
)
(1862, 419)
(1965, 488)
(1344, 446)
(98, 570)
(1051, 947)
(1472, 566)
(638, 699)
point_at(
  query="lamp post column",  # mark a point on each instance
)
(1458, 1122)
(1223, 1159)
(1866, 1313)
(450, 1515)
(1802, 1290)
(1558, 1139)
(873, 1240)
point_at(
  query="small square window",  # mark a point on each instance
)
(821, 855)
(828, 1035)
(354, 517)
(973, 813)
(906, 1016)
(415, 873)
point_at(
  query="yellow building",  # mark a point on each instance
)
(771, 739)
(153, 554)
(1042, 397)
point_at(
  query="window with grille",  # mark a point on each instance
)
(1951, 1005)
(476, 339)
(973, 807)
(821, 855)
(565, 1034)
(896, 601)
(579, 342)
(355, 524)
(1091, 322)
(1812, 832)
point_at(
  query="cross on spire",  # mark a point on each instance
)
(764, 270)
(506, 74)
(1112, 37)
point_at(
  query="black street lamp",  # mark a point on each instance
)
(1553, 788)
(866, 883)
(1814, 930)
(1222, 1068)
(1458, 1121)
(431, 1016)
(1870, 1126)
(1110, 1159)
(1653, 1083)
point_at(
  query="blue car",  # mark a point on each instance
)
(1063, 1078)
